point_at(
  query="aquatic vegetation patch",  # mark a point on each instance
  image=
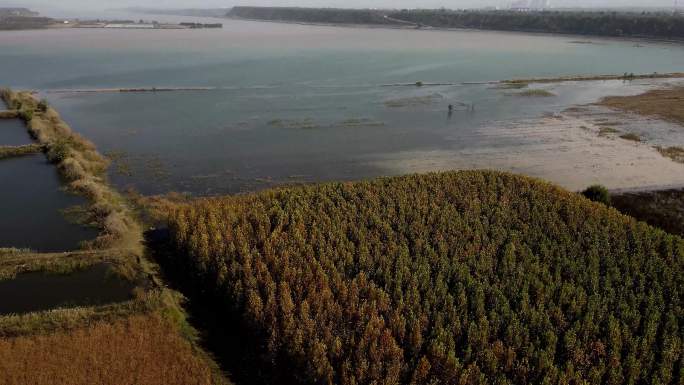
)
(414, 101)
(663, 104)
(307, 124)
(607, 131)
(360, 122)
(675, 153)
(462, 277)
(631, 137)
(511, 85)
(535, 93)
(120, 162)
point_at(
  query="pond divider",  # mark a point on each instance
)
(14, 151)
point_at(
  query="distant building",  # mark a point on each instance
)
(529, 5)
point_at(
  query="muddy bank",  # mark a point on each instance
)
(564, 149)
(665, 104)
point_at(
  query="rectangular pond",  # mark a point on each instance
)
(38, 291)
(30, 202)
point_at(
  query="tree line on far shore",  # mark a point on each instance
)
(599, 23)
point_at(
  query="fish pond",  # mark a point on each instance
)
(38, 291)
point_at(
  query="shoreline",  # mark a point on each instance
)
(419, 84)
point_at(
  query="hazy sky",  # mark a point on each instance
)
(47, 5)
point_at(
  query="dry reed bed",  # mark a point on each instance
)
(140, 349)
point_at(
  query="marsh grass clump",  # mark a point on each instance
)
(43, 106)
(414, 101)
(597, 193)
(631, 137)
(26, 114)
(305, 124)
(607, 131)
(463, 277)
(536, 93)
(360, 122)
(512, 85)
(675, 153)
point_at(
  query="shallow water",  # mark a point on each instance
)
(298, 103)
(30, 203)
(13, 133)
(38, 291)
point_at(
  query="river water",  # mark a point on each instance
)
(294, 103)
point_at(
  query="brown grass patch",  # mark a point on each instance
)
(666, 104)
(138, 350)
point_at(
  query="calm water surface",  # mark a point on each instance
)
(13, 132)
(37, 291)
(300, 103)
(30, 202)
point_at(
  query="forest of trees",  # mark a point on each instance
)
(311, 15)
(599, 23)
(453, 278)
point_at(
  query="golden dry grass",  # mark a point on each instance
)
(667, 104)
(138, 350)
